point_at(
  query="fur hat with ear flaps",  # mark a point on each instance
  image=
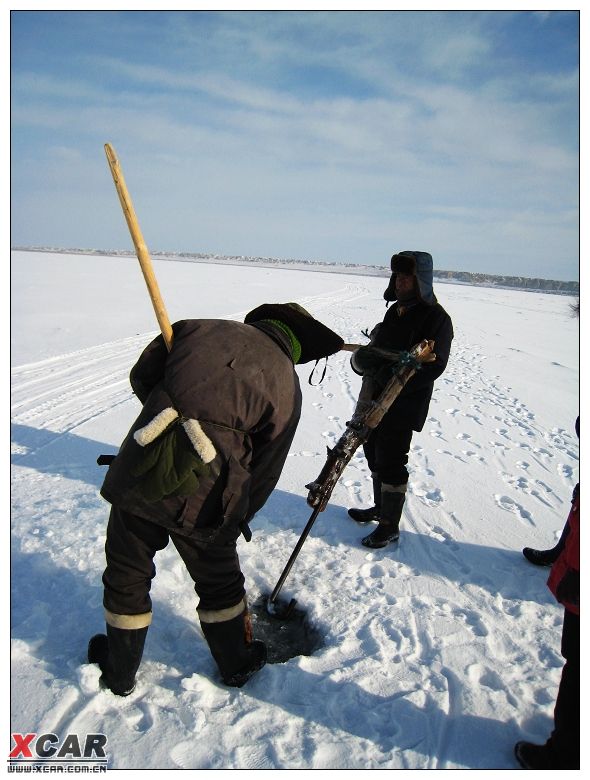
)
(316, 340)
(419, 264)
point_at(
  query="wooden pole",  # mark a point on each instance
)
(143, 255)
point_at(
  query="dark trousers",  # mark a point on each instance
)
(565, 739)
(386, 452)
(131, 545)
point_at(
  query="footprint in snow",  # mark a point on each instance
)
(473, 454)
(373, 570)
(544, 697)
(427, 472)
(505, 502)
(520, 483)
(352, 486)
(543, 452)
(442, 535)
(473, 620)
(473, 417)
(492, 680)
(430, 496)
(141, 718)
(450, 454)
(498, 445)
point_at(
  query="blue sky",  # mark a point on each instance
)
(336, 136)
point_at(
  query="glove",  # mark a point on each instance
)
(375, 362)
(169, 466)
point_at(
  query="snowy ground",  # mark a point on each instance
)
(441, 653)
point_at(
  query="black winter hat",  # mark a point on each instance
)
(317, 340)
(419, 264)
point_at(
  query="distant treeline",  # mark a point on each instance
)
(462, 277)
(522, 282)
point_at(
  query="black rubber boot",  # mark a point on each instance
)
(382, 536)
(531, 756)
(372, 513)
(392, 504)
(118, 654)
(541, 557)
(547, 557)
(362, 516)
(237, 655)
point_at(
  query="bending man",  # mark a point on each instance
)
(219, 415)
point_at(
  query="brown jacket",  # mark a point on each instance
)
(239, 383)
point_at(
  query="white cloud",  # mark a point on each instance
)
(413, 156)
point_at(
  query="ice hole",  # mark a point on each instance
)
(285, 637)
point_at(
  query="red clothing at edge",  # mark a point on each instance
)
(569, 560)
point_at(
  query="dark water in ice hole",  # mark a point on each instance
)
(284, 637)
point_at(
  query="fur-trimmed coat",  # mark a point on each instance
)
(238, 398)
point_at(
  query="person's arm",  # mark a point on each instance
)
(441, 332)
(149, 369)
(269, 454)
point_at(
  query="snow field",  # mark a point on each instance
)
(440, 653)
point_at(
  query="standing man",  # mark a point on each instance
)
(416, 316)
(219, 415)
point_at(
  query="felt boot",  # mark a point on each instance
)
(392, 503)
(372, 513)
(118, 654)
(229, 636)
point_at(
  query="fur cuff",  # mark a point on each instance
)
(198, 438)
(147, 434)
(200, 441)
(222, 615)
(128, 622)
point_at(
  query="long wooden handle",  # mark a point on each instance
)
(143, 255)
(350, 347)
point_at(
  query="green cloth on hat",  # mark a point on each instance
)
(295, 345)
(316, 340)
